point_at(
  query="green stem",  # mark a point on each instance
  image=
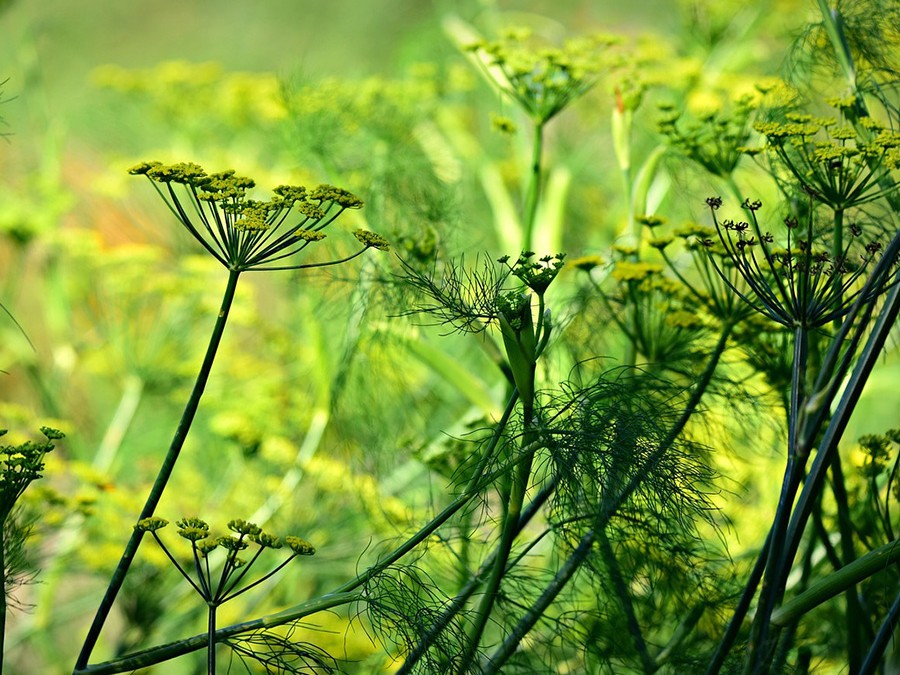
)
(211, 640)
(459, 602)
(837, 582)
(162, 478)
(856, 617)
(849, 398)
(465, 553)
(132, 391)
(563, 576)
(777, 565)
(834, 28)
(2, 591)
(824, 536)
(167, 652)
(740, 612)
(532, 197)
(13, 275)
(734, 189)
(832, 23)
(344, 595)
(229, 595)
(849, 334)
(443, 516)
(881, 641)
(71, 529)
(607, 511)
(621, 590)
(510, 528)
(837, 250)
(789, 633)
(683, 629)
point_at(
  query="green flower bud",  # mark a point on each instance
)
(372, 240)
(244, 528)
(300, 546)
(151, 524)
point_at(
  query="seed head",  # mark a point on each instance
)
(372, 240)
(244, 233)
(151, 524)
(242, 527)
(299, 546)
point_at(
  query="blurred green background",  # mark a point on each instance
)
(327, 416)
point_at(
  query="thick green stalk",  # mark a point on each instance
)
(837, 582)
(162, 478)
(510, 528)
(789, 633)
(828, 445)
(776, 574)
(533, 196)
(856, 618)
(882, 640)
(838, 423)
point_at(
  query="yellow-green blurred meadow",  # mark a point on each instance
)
(547, 463)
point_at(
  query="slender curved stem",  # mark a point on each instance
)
(873, 562)
(162, 478)
(344, 594)
(563, 576)
(827, 388)
(856, 619)
(167, 652)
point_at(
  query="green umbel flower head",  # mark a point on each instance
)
(20, 465)
(842, 166)
(542, 80)
(247, 234)
(794, 278)
(223, 585)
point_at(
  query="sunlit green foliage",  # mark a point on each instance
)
(631, 280)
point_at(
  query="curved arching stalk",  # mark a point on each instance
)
(163, 475)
